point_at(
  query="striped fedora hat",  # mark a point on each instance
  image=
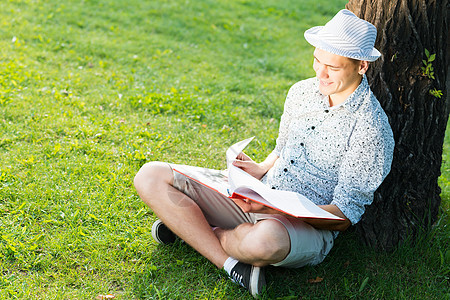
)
(346, 35)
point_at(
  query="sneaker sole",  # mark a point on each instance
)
(155, 230)
(257, 281)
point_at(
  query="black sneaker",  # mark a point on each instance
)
(250, 277)
(162, 234)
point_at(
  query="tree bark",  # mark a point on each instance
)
(408, 201)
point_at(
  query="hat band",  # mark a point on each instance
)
(354, 55)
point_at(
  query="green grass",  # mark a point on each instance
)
(91, 90)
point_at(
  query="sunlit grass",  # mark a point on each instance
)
(91, 90)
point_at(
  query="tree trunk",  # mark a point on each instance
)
(408, 200)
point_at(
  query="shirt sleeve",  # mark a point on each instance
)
(286, 118)
(364, 166)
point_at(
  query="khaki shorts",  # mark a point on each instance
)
(309, 246)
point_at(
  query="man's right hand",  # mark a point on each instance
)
(245, 163)
(257, 170)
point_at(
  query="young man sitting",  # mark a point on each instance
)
(334, 146)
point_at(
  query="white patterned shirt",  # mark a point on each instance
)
(333, 155)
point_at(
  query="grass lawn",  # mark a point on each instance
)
(92, 89)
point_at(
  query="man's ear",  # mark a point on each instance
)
(363, 67)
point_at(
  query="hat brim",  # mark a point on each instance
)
(318, 39)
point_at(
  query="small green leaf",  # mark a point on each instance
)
(93, 217)
(363, 284)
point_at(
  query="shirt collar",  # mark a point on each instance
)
(355, 100)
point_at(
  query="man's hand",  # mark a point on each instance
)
(336, 225)
(248, 165)
(249, 206)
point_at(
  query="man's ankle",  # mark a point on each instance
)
(229, 264)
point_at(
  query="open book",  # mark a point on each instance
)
(235, 183)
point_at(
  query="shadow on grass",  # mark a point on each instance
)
(351, 270)
(178, 272)
(415, 270)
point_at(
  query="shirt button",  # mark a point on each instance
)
(285, 169)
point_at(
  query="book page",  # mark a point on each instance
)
(239, 178)
(214, 179)
(288, 202)
(292, 203)
(236, 181)
(235, 149)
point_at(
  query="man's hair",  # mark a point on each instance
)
(354, 61)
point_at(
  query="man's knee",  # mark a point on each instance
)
(152, 176)
(267, 241)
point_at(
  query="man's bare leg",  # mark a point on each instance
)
(258, 244)
(177, 211)
(154, 183)
(266, 242)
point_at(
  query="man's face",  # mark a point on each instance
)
(338, 76)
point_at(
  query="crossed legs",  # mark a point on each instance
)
(260, 244)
